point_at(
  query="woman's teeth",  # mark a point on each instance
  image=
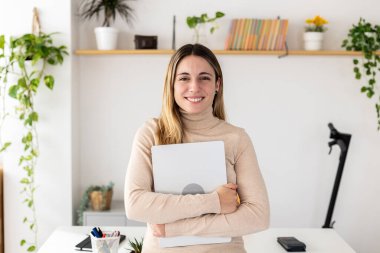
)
(194, 100)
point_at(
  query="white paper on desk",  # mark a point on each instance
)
(189, 168)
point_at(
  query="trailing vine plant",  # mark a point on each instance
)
(365, 37)
(26, 58)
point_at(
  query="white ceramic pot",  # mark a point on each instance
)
(313, 40)
(106, 38)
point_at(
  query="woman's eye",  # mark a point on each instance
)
(205, 78)
(183, 78)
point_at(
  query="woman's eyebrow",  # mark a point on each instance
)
(205, 73)
(183, 73)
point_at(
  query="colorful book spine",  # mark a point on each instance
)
(257, 34)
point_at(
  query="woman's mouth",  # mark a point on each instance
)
(194, 99)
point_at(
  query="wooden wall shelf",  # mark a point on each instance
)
(220, 52)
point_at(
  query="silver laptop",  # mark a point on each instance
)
(189, 168)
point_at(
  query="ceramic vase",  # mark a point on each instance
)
(313, 40)
(106, 38)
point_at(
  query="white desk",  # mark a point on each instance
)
(317, 240)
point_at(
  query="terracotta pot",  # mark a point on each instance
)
(100, 202)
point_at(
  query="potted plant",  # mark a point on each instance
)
(99, 197)
(106, 36)
(365, 37)
(313, 36)
(23, 62)
(135, 246)
(198, 23)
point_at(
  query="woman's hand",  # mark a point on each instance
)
(228, 198)
(158, 230)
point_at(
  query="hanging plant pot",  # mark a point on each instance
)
(313, 40)
(106, 38)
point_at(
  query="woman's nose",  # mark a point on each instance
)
(194, 85)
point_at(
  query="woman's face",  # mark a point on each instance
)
(195, 84)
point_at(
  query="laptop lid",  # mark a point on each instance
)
(189, 168)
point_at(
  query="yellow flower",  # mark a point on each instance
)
(319, 21)
(316, 24)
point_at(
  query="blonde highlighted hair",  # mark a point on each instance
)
(170, 129)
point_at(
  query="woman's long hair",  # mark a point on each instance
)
(169, 123)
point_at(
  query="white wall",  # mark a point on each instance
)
(284, 104)
(53, 173)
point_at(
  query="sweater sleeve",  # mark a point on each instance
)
(142, 203)
(251, 216)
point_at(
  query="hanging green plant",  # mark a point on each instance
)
(26, 58)
(365, 37)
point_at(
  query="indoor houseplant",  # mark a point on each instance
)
(313, 36)
(98, 196)
(23, 64)
(106, 36)
(365, 38)
(135, 246)
(198, 23)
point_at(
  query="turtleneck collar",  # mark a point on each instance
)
(198, 121)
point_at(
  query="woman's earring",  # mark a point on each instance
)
(216, 92)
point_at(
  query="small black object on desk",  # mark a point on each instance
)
(291, 244)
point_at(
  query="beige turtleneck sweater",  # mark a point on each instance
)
(198, 214)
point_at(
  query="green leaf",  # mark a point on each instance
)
(31, 248)
(36, 58)
(13, 91)
(5, 146)
(30, 204)
(34, 84)
(33, 117)
(23, 221)
(35, 152)
(2, 41)
(22, 242)
(356, 61)
(212, 30)
(29, 136)
(219, 14)
(49, 81)
(21, 62)
(25, 181)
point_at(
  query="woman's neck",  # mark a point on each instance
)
(198, 121)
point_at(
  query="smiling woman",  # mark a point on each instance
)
(193, 111)
(196, 84)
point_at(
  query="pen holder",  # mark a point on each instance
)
(106, 244)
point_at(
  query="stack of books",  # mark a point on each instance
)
(257, 34)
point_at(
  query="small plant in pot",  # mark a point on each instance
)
(135, 246)
(197, 23)
(106, 36)
(99, 197)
